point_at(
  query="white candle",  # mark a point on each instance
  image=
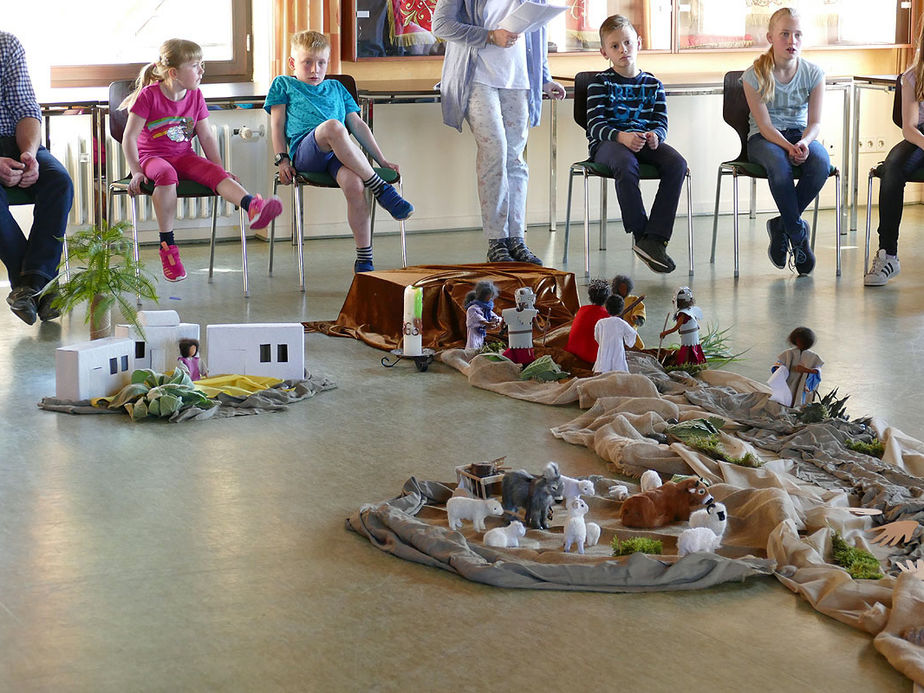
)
(413, 320)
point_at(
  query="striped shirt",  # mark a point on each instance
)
(17, 98)
(624, 104)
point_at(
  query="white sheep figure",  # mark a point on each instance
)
(575, 488)
(502, 537)
(474, 509)
(618, 492)
(593, 534)
(650, 480)
(714, 516)
(697, 539)
(575, 528)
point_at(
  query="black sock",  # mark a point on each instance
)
(375, 184)
(245, 202)
(364, 254)
(167, 238)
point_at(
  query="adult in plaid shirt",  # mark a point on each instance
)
(30, 262)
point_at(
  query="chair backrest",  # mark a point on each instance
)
(348, 82)
(897, 104)
(735, 110)
(117, 119)
(581, 80)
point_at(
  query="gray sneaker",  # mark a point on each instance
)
(22, 303)
(779, 246)
(498, 251)
(519, 252)
(802, 256)
(653, 252)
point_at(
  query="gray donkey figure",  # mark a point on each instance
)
(535, 494)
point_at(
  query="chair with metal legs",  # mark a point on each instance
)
(325, 180)
(588, 169)
(735, 112)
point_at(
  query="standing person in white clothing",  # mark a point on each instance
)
(519, 323)
(613, 334)
(495, 79)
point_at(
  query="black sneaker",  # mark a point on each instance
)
(653, 252)
(46, 311)
(22, 303)
(779, 246)
(519, 252)
(802, 256)
(498, 251)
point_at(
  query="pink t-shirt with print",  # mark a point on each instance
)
(169, 126)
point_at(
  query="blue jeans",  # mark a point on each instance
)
(904, 159)
(33, 261)
(791, 196)
(624, 164)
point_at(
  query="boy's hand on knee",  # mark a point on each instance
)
(634, 141)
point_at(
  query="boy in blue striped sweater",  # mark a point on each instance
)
(626, 126)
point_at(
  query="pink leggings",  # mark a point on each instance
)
(168, 169)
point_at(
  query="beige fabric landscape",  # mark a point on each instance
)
(786, 510)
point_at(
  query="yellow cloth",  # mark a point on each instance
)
(632, 316)
(235, 385)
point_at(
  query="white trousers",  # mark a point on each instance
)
(499, 120)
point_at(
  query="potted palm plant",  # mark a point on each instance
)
(102, 270)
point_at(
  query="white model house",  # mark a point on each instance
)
(93, 369)
(159, 348)
(272, 349)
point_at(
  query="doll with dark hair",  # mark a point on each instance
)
(688, 316)
(796, 374)
(479, 313)
(189, 357)
(581, 340)
(613, 335)
(634, 312)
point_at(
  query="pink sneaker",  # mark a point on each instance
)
(173, 266)
(262, 212)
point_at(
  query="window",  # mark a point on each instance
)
(113, 366)
(266, 353)
(139, 350)
(282, 353)
(129, 36)
(125, 363)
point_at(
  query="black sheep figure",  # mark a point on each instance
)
(535, 494)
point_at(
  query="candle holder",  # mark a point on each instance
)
(422, 361)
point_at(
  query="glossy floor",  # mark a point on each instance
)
(206, 556)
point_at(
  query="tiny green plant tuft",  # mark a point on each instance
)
(862, 565)
(636, 545)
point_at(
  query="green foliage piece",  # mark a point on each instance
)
(862, 565)
(816, 412)
(828, 407)
(156, 395)
(103, 271)
(691, 368)
(715, 344)
(874, 448)
(543, 369)
(695, 428)
(703, 435)
(637, 545)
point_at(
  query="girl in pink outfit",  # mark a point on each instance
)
(165, 112)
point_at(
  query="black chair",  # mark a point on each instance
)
(325, 180)
(16, 197)
(184, 189)
(588, 168)
(735, 111)
(876, 171)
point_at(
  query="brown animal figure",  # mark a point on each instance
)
(671, 502)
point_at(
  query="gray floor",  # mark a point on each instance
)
(213, 555)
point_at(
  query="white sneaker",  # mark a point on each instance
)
(884, 268)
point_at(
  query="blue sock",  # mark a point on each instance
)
(167, 238)
(245, 202)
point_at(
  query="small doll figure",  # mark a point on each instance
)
(797, 371)
(189, 357)
(520, 327)
(613, 335)
(688, 316)
(479, 313)
(634, 312)
(581, 340)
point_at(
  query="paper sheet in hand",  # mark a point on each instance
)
(530, 16)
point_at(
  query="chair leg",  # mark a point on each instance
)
(837, 223)
(135, 253)
(564, 256)
(869, 212)
(715, 216)
(67, 259)
(212, 234)
(752, 209)
(603, 213)
(298, 232)
(272, 228)
(401, 226)
(243, 251)
(735, 219)
(815, 221)
(586, 227)
(689, 178)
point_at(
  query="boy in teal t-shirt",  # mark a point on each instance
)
(312, 119)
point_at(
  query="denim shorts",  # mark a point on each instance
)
(309, 157)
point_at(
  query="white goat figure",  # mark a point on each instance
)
(618, 492)
(575, 528)
(593, 534)
(474, 509)
(650, 480)
(575, 488)
(697, 539)
(714, 516)
(502, 537)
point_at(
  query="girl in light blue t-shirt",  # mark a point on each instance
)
(785, 93)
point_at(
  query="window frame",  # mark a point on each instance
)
(238, 69)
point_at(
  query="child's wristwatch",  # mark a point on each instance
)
(279, 157)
